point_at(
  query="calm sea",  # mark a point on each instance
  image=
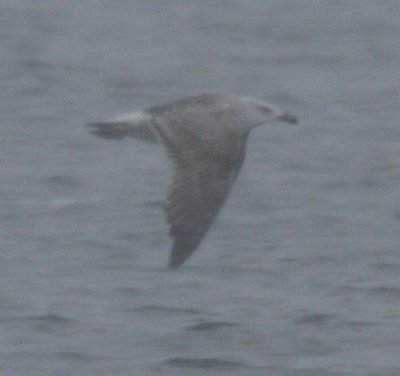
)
(300, 275)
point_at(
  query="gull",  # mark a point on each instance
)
(205, 137)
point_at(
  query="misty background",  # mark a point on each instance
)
(300, 274)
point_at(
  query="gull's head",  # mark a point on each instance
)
(253, 112)
(260, 112)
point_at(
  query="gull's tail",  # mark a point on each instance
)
(136, 124)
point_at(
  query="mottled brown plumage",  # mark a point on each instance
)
(205, 136)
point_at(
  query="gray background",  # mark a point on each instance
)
(300, 274)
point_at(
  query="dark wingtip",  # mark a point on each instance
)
(287, 118)
(173, 266)
(175, 261)
(183, 248)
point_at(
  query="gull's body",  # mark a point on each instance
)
(205, 136)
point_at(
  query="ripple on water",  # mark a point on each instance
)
(314, 318)
(205, 363)
(63, 181)
(154, 308)
(210, 326)
(42, 323)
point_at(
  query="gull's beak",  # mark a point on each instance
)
(288, 118)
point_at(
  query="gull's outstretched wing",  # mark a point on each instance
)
(203, 177)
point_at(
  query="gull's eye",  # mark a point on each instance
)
(266, 109)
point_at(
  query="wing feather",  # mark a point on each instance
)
(201, 182)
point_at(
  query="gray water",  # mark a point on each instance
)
(300, 274)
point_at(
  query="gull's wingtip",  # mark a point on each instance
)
(176, 259)
(183, 247)
(173, 266)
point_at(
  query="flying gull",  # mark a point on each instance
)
(205, 136)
